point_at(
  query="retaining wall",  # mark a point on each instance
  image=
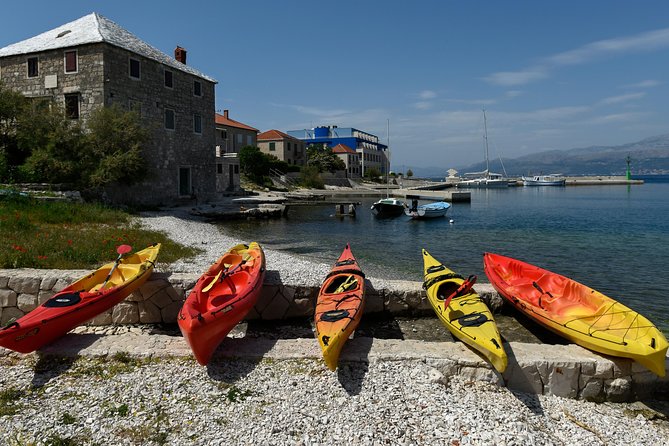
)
(564, 370)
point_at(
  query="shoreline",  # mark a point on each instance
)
(260, 398)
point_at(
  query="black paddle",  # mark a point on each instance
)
(121, 250)
(536, 285)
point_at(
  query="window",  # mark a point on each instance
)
(236, 168)
(72, 106)
(169, 119)
(184, 181)
(197, 88)
(224, 134)
(239, 138)
(197, 124)
(249, 140)
(134, 69)
(219, 168)
(287, 147)
(169, 83)
(33, 69)
(70, 61)
(272, 146)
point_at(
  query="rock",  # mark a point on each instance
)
(26, 302)
(9, 313)
(125, 313)
(149, 313)
(24, 284)
(7, 298)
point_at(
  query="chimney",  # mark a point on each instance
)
(180, 54)
(225, 114)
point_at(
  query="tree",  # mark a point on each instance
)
(373, 173)
(310, 177)
(253, 163)
(409, 173)
(113, 147)
(12, 105)
(322, 157)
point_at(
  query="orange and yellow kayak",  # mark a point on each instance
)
(221, 298)
(339, 306)
(577, 312)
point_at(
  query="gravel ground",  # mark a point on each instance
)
(123, 400)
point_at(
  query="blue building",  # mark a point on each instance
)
(372, 152)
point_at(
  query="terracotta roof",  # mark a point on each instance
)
(94, 28)
(342, 148)
(274, 135)
(224, 120)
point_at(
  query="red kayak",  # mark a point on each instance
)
(339, 306)
(80, 301)
(221, 298)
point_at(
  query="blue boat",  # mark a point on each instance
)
(430, 210)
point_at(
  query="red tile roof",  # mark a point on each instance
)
(275, 135)
(342, 148)
(225, 120)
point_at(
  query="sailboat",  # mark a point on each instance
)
(485, 179)
(388, 207)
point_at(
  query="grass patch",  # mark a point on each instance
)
(9, 401)
(156, 430)
(107, 368)
(235, 394)
(68, 419)
(121, 411)
(63, 235)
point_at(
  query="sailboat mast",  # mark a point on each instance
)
(387, 155)
(485, 137)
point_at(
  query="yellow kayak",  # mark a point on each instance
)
(462, 311)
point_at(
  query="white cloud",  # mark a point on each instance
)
(427, 94)
(616, 118)
(644, 42)
(622, 98)
(422, 105)
(644, 84)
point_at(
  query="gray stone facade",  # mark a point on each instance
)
(181, 161)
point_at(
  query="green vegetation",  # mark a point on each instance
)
(310, 178)
(323, 158)
(256, 165)
(39, 234)
(40, 143)
(121, 411)
(68, 419)
(9, 401)
(374, 174)
(235, 394)
(107, 368)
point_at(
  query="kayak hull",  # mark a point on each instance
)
(339, 306)
(577, 312)
(79, 302)
(466, 316)
(221, 298)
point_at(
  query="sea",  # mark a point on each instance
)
(613, 238)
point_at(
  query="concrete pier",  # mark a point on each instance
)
(565, 370)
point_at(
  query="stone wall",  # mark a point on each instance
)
(161, 297)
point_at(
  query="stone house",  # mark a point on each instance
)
(231, 136)
(93, 62)
(351, 159)
(283, 146)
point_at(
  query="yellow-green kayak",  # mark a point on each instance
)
(462, 311)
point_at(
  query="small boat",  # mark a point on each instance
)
(80, 301)
(577, 312)
(544, 180)
(339, 306)
(221, 298)
(388, 207)
(430, 210)
(462, 311)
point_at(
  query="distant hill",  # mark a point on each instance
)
(649, 156)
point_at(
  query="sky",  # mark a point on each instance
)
(550, 75)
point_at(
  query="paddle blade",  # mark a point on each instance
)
(123, 249)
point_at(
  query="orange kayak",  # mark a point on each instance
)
(221, 298)
(577, 312)
(339, 306)
(80, 301)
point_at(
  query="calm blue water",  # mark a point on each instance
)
(612, 238)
